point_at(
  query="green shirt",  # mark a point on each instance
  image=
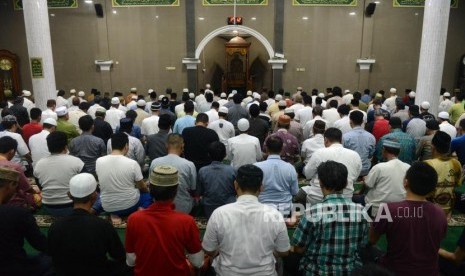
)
(68, 128)
(455, 111)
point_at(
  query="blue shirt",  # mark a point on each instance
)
(458, 146)
(216, 184)
(182, 123)
(363, 143)
(407, 146)
(279, 183)
(366, 98)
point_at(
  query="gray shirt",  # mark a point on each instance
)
(156, 144)
(187, 180)
(87, 148)
(235, 113)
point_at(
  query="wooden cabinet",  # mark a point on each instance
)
(9, 75)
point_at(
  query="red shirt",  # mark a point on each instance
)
(380, 128)
(30, 129)
(160, 238)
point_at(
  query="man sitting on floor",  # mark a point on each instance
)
(414, 227)
(158, 238)
(258, 229)
(331, 233)
(80, 242)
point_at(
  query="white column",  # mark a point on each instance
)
(39, 45)
(433, 49)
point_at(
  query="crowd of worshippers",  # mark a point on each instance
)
(152, 162)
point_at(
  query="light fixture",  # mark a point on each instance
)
(156, 16)
(305, 18)
(416, 14)
(88, 1)
(253, 18)
(201, 18)
(377, 2)
(352, 13)
(114, 12)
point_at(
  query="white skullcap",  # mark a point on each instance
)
(150, 90)
(50, 121)
(443, 115)
(299, 88)
(282, 103)
(278, 97)
(243, 124)
(446, 94)
(134, 97)
(115, 100)
(412, 94)
(72, 91)
(61, 111)
(82, 185)
(346, 91)
(288, 110)
(234, 92)
(255, 95)
(141, 103)
(207, 86)
(393, 90)
(249, 93)
(425, 105)
(161, 97)
(321, 95)
(230, 95)
(26, 93)
(223, 109)
(185, 90)
(133, 89)
(191, 95)
(81, 94)
(223, 95)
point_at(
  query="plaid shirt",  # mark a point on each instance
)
(407, 146)
(331, 244)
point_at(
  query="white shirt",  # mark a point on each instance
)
(70, 100)
(244, 149)
(179, 109)
(445, 105)
(335, 152)
(343, 124)
(224, 129)
(222, 102)
(28, 104)
(308, 127)
(74, 117)
(311, 145)
(304, 115)
(60, 101)
(297, 107)
(199, 99)
(48, 113)
(22, 147)
(212, 115)
(347, 98)
(136, 150)
(246, 233)
(331, 116)
(92, 110)
(117, 177)
(416, 127)
(149, 125)
(386, 183)
(113, 116)
(38, 146)
(269, 102)
(131, 105)
(390, 104)
(54, 173)
(448, 128)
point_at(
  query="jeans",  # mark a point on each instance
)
(59, 211)
(145, 200)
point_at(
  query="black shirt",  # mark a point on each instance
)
(80, 242)
(20, 112)
(197, 139)
(258, 128)
(17, 224)
(156, 144)
(102, 129)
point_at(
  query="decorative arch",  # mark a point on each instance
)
(231, 28)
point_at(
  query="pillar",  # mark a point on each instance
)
(39, 45)
(278, 43)
(432, 52)
(190, 45)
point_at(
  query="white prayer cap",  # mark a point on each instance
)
(72, 91)
(234, 91)
(150, 91)
(299, 88)
(393, 90)
(446, 94)
(141, 103)
(185, 90)
(191, 95)
(26, 93)
(115, 100)
(81, 94)
(223, 109)
(223, 95)
(249, 93)
(346, 91)
(207, 86)
(50, 121)
(243, 124)
(282, 103)
(255, 95)
(412, 94)
(61, 111)
(161, 97)
(230, 95)
(425, 105)
(134, 97)
(288, 110)
(278, 97)
(321, 95)
(133, 89)
(443, 115)
(82, 185)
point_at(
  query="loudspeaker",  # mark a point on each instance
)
(98, 10)
(370, 10)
